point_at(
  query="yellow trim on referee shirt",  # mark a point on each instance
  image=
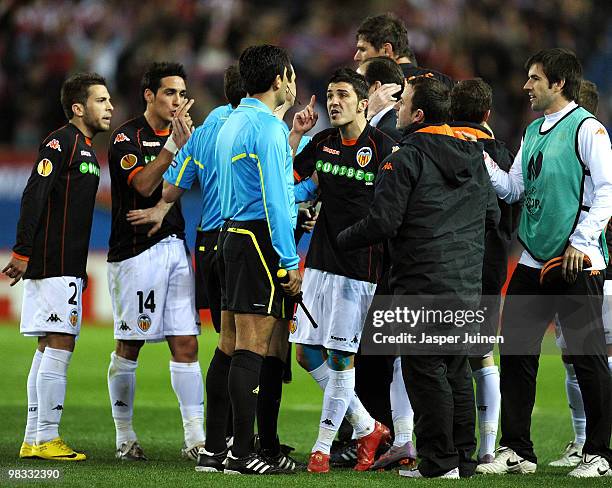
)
(180, 175)
(263, 261)
(198, 164)
(261, 181)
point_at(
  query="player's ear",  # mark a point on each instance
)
(362, 105)
(78, 109)
(149, 96)
(277, 83)
(486, 116)
(388, 50)
(419, 116)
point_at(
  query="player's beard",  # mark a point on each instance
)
(94, 125)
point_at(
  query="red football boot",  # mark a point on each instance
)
(367, 446)
(318, 462)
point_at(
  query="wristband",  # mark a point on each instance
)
(170, 145)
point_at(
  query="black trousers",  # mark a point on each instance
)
(373, 377)
(528, 310)
(441, 394)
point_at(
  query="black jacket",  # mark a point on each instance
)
(433, 200)
(498, 240)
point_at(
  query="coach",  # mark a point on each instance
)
(432, 201)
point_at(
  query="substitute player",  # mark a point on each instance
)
(150, 276)
(51, 255)
(562, 170)
(338, 287)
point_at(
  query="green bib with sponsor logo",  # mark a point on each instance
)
(553, 176)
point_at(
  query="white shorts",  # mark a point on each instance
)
(338, 304)
(52, 305)
(606, 316)
(153, 294)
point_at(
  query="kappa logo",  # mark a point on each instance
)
(328, 422)
(339, 339)
(123, 326)
(534, 167)
(121, 137)
(54, 144)
(600, 131)
(355, 340)
(54, 318)
(329, 150)
(394, 149)
(85, 153)
(151, 144)
(45, 167)
(119, 403)
(388, 166)
(58, 407)
(256, 390)
(73, 318)
(128, 161)
(364, 156)
(144, 322)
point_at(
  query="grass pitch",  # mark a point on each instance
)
(87, 424)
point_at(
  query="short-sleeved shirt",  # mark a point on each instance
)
(346, 172)
(196, 159)
(134, 145)
(256, 174)
(57, 206)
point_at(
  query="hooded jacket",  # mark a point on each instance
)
(433, 200)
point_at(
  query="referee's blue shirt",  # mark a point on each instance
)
(256, 171)
(196, 159)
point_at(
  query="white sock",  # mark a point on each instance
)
(610, 363)
(32, 419)
(339, 391)
(121, 389)
(186, 379)
(51, 392)
(321, 375)
(574, 398)
(401, 409)
(488, 400)
(359, 418)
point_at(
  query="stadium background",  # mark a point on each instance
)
(43, 41)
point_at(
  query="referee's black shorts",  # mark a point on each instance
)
(250, 270)
(208, 285)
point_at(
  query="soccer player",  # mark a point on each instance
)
(338, 287)
(150, 277)
(257, 195)
(588, 98)
(433, 199)
(386, 35)
(51, 256)
(471, 102)
(562, 170)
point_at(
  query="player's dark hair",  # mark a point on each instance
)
(76, 90)
(384, 70)
(259, 66)
(559, 64)
(432, 97)
(379, 29)
(588, 96)
(470, 100)
(350, 76)
(232, 86)
(154, 74)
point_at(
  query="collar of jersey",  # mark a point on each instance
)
(254, 103)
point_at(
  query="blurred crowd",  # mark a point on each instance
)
(43, 40)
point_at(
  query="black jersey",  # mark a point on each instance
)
(411, 71)
(57, 206)
(134, 145)
(346, 171)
